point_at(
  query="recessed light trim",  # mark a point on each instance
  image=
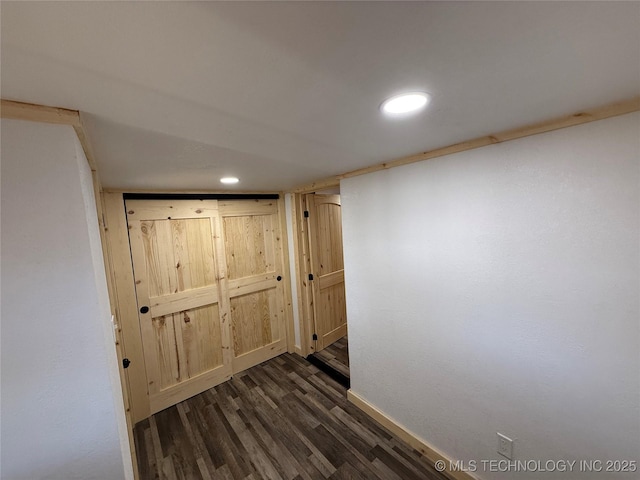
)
(229, 180)
(405, 103)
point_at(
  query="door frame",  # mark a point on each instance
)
(302, 256)
(124, 299)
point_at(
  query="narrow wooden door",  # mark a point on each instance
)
(327, 265)
(253, 250)
(178, 262)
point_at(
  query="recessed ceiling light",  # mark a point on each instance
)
(405, 103)
(229, 180)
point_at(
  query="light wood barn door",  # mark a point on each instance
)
(183, 315)
(327, 265)
(253, 250)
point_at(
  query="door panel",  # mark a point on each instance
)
(252, 250)
(185, 338)
(327, 264)
(251, 321)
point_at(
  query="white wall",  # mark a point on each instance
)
(498, 290)
(61, 404)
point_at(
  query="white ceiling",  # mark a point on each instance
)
(179, 94)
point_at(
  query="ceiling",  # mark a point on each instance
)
(178, 94)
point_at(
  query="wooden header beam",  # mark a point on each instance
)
(55, 115)
(39, 113)
(613, 110)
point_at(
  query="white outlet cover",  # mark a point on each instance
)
(505, 446)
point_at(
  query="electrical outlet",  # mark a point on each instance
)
(505, 446)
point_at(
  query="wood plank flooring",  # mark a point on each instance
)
(283, 419)
(336, 356)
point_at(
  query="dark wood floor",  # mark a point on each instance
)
(336, 355)
(283, 419)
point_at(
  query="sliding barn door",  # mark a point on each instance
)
(253, 249)
(175, 248)
(327, 265)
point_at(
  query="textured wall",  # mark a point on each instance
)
(59, 405)
(498, 290)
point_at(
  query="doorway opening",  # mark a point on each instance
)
(323, 314)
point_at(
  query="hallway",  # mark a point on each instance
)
(283, 419)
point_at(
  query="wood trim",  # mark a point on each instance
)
(169, 397)
(286, 274)
(304, 268)
(331, 279)
(252, 358)
(126, 304)
(186, 191)
(235, 208)
(318, 185)
(180, 209)
(86, 144)
(180, 301)
(578, 118)
(429, 452)
(246, 286)
(111, 287)
(55, 115)
(334, 335)
(296, 226)
(224, 305)
(314, 269)
(120, 353)
(39, 113)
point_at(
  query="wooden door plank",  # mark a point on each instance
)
(184, 300)
(200, 248)
(146, 327)
(256, 282)
(166, 351)
(243, 208)
(312, 228)
(331, 279)
(221, 276)
(170, 397)
(181, 254)
(170, 209)
(275, 300)
(202, 338)
(117, 236)
(282, 242)
(303, 269)
(165, 259)
(254, 357)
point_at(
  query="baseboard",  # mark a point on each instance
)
(430, 453)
